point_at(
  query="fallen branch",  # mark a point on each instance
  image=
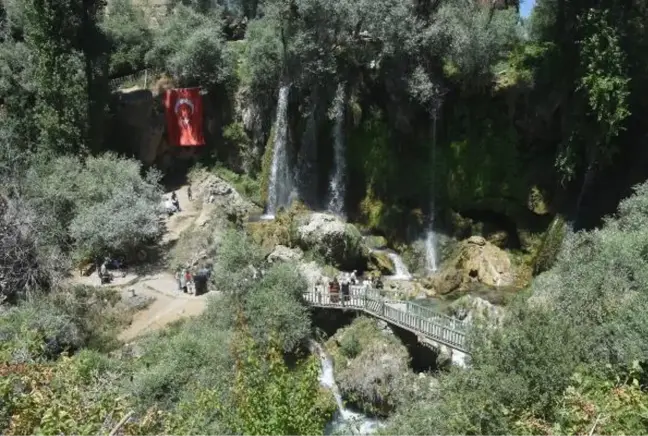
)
(120, 423)
(594, 426)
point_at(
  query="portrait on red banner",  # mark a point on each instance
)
(184, 114)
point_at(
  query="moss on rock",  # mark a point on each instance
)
(379, 261)
(369, 363)
(551, 245)
(266, 167)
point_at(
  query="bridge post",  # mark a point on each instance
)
(364, 297)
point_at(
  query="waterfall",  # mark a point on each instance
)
(430, 250)
(281, 186)
(306, 174)
(345, 421)
(402, 273)
(337, 186)
(430, 237)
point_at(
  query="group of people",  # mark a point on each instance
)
(337, 288)
(192, 284)
(185, 281)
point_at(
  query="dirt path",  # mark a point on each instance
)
(169, 304)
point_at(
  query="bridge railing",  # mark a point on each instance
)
(408, 315)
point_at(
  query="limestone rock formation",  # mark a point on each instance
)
(337, 242)
(223, 198)
(380, 261)
(282, 253)
(475, 261)
(370, 363)
(376, 242)
(470, 308)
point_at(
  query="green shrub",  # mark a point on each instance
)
(178, 364)
(550, 246)
(129, 35)
(350, 346)
(46, 325)
(190, 46)
(586, 310)
(103, 204)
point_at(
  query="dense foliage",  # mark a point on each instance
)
(223, 372)
(567, 358)
(458, 108)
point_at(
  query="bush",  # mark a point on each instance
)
(103, 205)
(271, 302)
(130, 36)
(22, 264)
(45, 326)
(588, 309)
(190, 46)
(177, 365)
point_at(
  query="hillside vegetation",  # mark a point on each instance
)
(528, 132)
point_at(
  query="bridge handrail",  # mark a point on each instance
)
(437, 326)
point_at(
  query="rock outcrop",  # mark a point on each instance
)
(218, 195)
(470, 308)
(475, 261)
(339, 243)
(370, 363)
(380, 261)
(282, 253)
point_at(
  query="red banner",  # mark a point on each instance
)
(184, 114)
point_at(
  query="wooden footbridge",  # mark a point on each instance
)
(429, 325)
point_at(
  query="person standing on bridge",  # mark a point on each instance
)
(345, 290)
(335, 291)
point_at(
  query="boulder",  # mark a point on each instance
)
(470, 308)
(369, 365)
(223, 199)
(475, 261)
(380, 261)
(282, 253)
(485, 262)
(313, 273)
(376, 242)
(337, 242)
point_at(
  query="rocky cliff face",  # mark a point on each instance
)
(475, 261)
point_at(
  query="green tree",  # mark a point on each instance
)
(129, 36)
(190, 46)
(268, 398)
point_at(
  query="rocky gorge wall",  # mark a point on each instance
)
(482, 186)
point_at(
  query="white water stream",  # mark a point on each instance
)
(430, 238)
(402, 273)
(345, 421)
(430, 250)
(337, 187)
(281, 180)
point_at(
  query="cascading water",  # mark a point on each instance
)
(345, 421)
(402, 273)
(337, 186)
(430, 237)
(281, 180)
(430, 250)
(306, 174)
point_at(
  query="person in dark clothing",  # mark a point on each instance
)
(189, 193)
(345, 290)
(174, 200)
(335, 291)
